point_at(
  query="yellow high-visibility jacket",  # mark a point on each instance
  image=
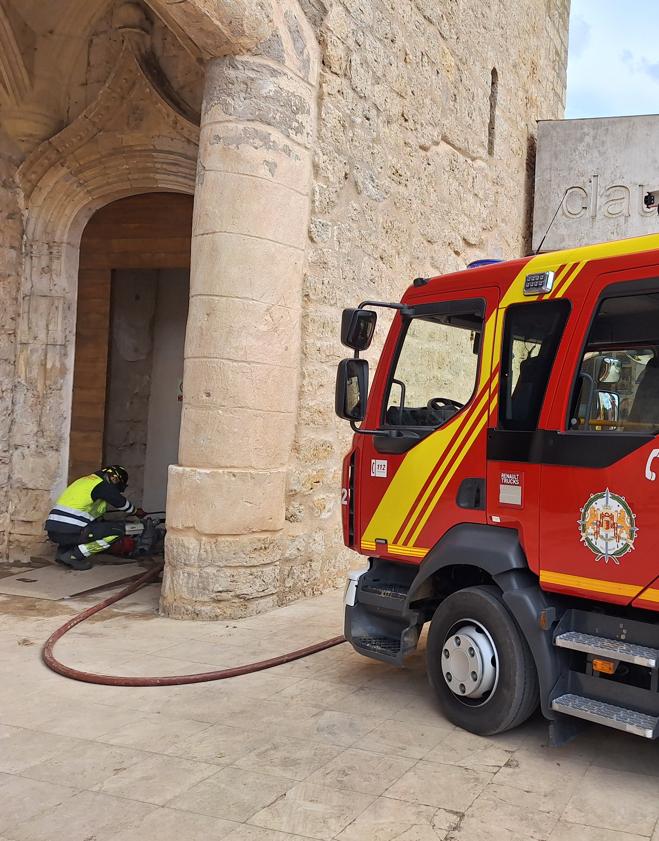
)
(84, 501)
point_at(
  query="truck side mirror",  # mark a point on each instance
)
(609, 370)
(357, 328)
(607, 408)
(351, 389)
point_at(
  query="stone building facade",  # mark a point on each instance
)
(335, 149)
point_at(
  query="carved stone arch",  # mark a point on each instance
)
(132, 139)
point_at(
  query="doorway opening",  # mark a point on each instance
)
(133, 293)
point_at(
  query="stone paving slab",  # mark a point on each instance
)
(332, 748)
(54, 582)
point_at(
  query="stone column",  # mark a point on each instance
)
(226, 498)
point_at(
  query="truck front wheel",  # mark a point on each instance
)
(479, 664)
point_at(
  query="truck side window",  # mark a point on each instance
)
(437, 365)
(532, 334)
(617, 388)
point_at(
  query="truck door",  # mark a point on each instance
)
(599, 494)
(532, 334)
(432, 391)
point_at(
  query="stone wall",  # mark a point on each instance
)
(11, 233)
(405, 185)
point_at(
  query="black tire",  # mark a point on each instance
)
(515, 695)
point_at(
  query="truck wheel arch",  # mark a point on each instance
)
(492, 549)
(497, 553)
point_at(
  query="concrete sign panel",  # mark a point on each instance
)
(593, 174)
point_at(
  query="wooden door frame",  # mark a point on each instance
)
(146, 231)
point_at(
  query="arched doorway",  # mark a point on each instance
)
(132, 303)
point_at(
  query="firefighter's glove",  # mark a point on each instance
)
(141, 513)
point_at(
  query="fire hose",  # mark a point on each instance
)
(167, 680)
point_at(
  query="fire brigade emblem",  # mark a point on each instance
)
(608, 526)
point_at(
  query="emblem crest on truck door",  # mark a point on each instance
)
(608, 526)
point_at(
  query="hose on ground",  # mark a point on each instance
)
(167, 680)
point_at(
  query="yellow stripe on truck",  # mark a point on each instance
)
(457, 461)
(454, 451)
(395, 549)
(583, 255)
(593, 585)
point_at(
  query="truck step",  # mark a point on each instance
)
(395, 592)
(619, 718)
(627, 652)
(387, 647)
(384, 596)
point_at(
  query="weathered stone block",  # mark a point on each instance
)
(31, 468)
(31, 505)
(300, 579)
(239, 266)
(242, 330)
(24, 547)
(216, 438)
(274, 212)
(217, 590)
(256, 151)
(220, 502)
(251, 91)
(225, 383)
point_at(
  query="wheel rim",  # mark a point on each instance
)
(470, 663)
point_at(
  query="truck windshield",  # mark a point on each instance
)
(437, 365)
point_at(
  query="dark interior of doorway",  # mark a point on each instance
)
(148, 314)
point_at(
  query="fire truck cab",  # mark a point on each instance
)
(502, 483)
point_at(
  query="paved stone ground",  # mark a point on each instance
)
(332, 747)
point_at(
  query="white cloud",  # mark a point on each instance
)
(613, 67)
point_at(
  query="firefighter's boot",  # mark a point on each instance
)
(72, 558)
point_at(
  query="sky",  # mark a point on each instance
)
(613, 63)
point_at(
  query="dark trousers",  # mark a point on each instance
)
(92, 539)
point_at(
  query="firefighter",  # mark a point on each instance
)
(75, 523)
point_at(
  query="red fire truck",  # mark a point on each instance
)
(503, 484)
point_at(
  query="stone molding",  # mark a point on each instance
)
(15, 81)
(65, 169)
